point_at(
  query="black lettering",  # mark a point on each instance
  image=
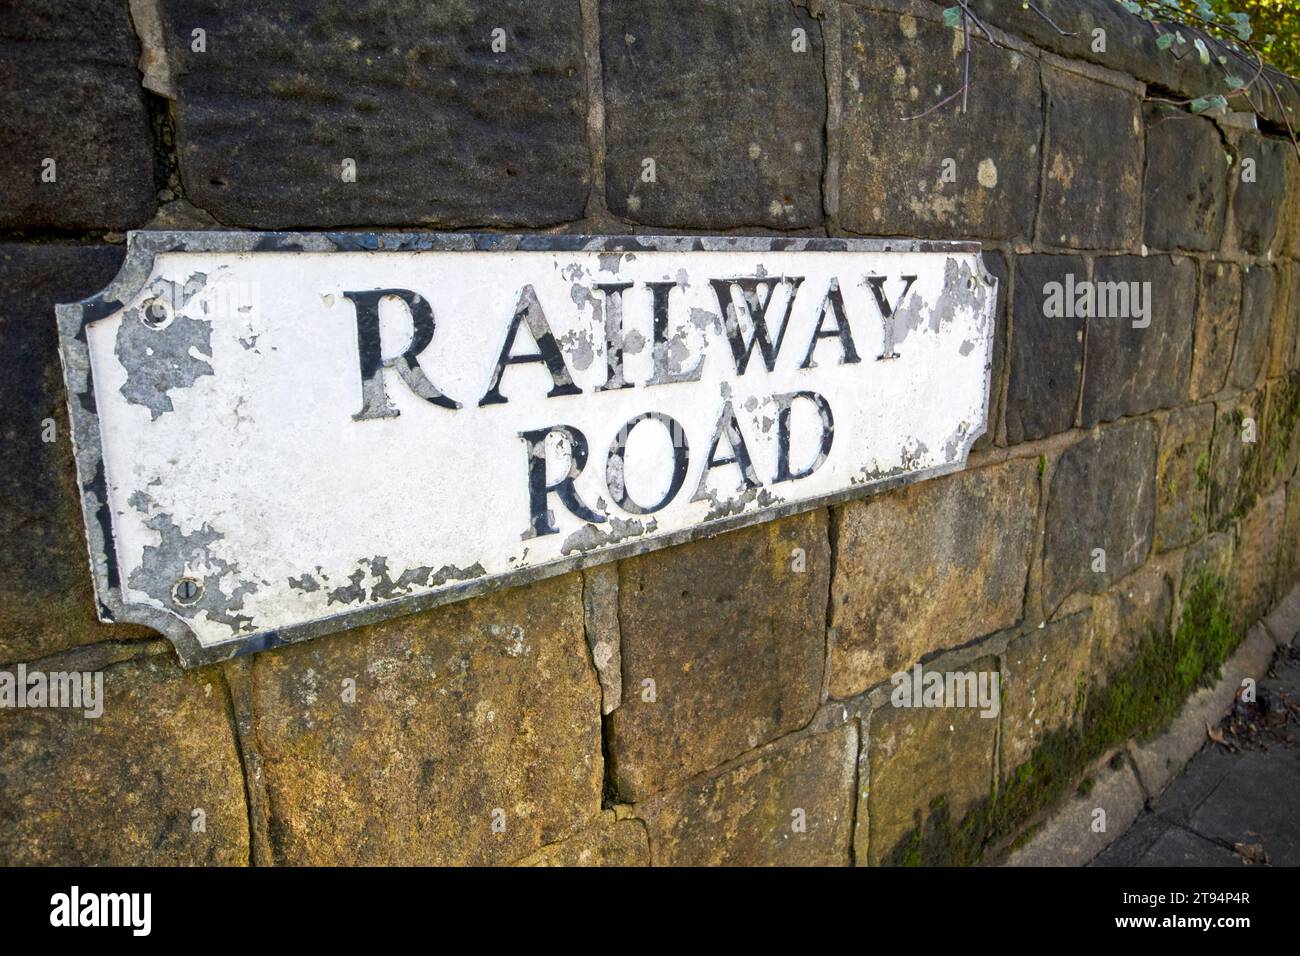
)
(616, 466)
(783, 472)
(529, 311)
(374, 397)
(835, 300)
(541, 518)
(727, 425)
(750, 288)
(877, 284)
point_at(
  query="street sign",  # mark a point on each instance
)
(282, 435)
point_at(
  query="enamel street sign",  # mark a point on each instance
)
(283, 435)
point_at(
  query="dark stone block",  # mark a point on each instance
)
(1185, 189)
(46, 601)
(443, 130)
(1258, 291)
(1046, 354)
(1092, 194)
(892, 167)
(733, 117)
(1256, 205)
(1218, 307)
(996, 264)
(1102, 496)
(70, 92)
(1133, 370)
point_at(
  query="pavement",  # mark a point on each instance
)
(1237, 802)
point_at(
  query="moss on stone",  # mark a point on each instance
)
(1138, 699)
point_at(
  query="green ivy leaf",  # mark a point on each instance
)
(1235, 82)
(1203, 103)
(1202, 50)
(1164, 41)
(1130, 6)
(952, 16)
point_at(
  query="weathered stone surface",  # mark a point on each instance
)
(1259, 542)
(1130, 613)
(1102, 496)
(1281, 435)
(791, 804)
(1046, 353)
(1066, 27)
(122, 789)
(69, 92)
(1258, 292)
(1286, 241)
(744, 657)
(1288, 571)
(1217, 310)
(1091, 198)
(714, 92)
(1130, 370)
(930, 566)
(1045, 676)
(892, 167)
(1185, 189)
(443, 130)
(1212, 555)
(996, 264)
(46, 598)
(482, 712)
(1284, 332)
(1256, 205)
(1183, 475)
(608, 842)
(1234, 472)
(925, 763)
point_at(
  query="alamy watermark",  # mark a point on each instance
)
(1098, 300)
(922, 688)
(74, 690)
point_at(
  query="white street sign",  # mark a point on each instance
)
(282, 435)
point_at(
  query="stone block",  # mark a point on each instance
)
(1102, 498)
(1218, 309)
(1045, 677)
(790, 804)
(155, 780)
(70, 95)
(469, 734)
(1091, 197)
(945, 174)
(929, 767)
(1138, 363)
(730, 633)
(1185, 190)
(927, 567)
(729, 104)
(1250, 357)
(610, 841)
(1183, 475)
(1257, 203)
(1045, 352)
(440, 128)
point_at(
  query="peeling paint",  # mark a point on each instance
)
(253, 505)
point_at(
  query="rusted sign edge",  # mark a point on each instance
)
(144, 246)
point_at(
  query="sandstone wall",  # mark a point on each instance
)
(740, 712)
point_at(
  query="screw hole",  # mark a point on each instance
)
(187, 591)
(157, 314)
